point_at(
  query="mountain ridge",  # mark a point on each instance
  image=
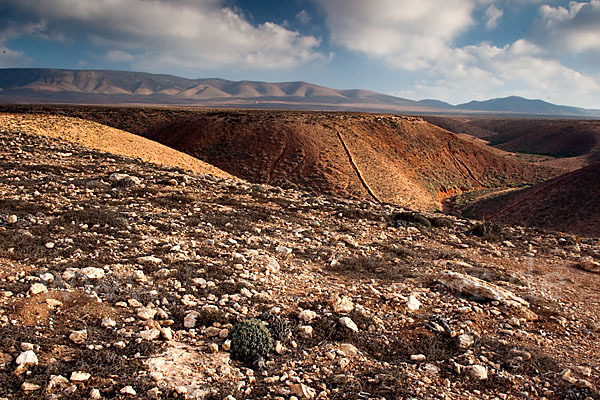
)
(39, 85)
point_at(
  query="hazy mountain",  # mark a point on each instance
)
(30, 85)
(514, 104)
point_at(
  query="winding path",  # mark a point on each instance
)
(355, 167)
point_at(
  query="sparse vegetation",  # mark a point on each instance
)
(251, 341)
(410, 218)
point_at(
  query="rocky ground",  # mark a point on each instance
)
(123, 279)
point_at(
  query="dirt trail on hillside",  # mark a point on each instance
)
(355, 167)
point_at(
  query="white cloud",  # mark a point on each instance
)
(405, 33)
(173, 34)
(485, 71)
(303, 16)
(493, 14)
(573, 29)
(419, 37)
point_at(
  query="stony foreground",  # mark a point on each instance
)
(121, 279)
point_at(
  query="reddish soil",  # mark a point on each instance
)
(568, 203)
(393, 159)
(573, 144)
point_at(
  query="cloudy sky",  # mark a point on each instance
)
(452, 50)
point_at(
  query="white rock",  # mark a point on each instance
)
(213, 347)
(348, 323)
(226, 346)
(27, 358)
(149, 259)
(465, 341)
(92, 272)
(150, 334)
(30, 387)
(79, 376)
(12, 219)
(124, 178)
(342, 304)
(307, 315)
(413, 303)
(190, 320)
(146, 313)
(302, 391)
(49, 245)
(78, 337)
(508, 244)
(166, 333)
(128, 390)
(56, 381)
(37, 288)
(273, 266)
(47, 277)
(306, 331)
(95, 394)
(343, 363)
(283, 250)
(476, 287)
(478, 372)
(108, 322)
(418, 357)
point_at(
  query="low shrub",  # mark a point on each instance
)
(250, 341)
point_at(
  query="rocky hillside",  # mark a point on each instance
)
(123, 279)
(104, 138)
(386, 158)
(568, 144)
(568, 203)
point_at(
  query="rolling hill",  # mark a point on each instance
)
(385, 158)
(568, 203)
(30, 85)
(568, 143)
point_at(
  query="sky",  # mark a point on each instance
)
(450, 50)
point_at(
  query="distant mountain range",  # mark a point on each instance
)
(29, 85)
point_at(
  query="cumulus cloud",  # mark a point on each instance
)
(164, 34)
(405, 33)
(484, 71)
(571, 29)
(493, 14)
(420, 37)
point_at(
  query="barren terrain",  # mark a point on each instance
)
(568, 203)
(387, 158)
(120, 278)
(567, 144)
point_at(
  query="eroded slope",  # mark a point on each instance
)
(568, 203)
(394, 159)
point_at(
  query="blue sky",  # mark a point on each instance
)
(452, 50)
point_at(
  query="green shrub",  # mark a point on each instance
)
(250, 341)
(409, 218)
(440, 222)
(488, 230)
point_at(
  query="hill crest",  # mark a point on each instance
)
(31, 85)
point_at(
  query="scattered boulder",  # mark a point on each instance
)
(478, 288)
(348, 323)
